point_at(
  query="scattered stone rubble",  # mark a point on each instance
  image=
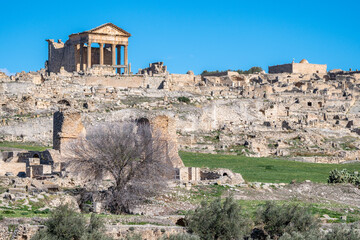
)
(309, 117)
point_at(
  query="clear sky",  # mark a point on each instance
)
(190, 35)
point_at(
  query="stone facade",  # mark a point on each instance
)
(75, 56)
(304, 67)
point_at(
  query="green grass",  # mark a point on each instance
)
(24, 146)
(265, 169)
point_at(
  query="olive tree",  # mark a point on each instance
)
(131, 153)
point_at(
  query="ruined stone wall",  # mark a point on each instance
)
(12, 167)
(167, 128)
(308, 68)
(300, 68)
(117, 81)
(285, 68)
(67, 126)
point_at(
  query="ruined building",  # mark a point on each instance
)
(78, 54)
(303, 67)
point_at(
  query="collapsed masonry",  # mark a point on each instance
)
(312, 117)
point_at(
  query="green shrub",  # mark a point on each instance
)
(343, 233)
(184, 99)
(343, 176)
(12, 227)
(218, 220)
(279, 219)
(45, 211)
(1, 218)
(338, 233)
(181, 237)
(64, 223)
(240, 71)
(8, 212)
(315, 234)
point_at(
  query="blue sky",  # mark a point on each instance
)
(190, 35)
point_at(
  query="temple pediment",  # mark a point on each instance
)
(106, 29)
(110, 29)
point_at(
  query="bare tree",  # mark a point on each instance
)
(132, 153)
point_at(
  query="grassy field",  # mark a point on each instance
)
(265, 169)
(23, 146)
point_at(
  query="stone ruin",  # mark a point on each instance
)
(301, 111)
(157, 68)
(303, 67)
(68, 126)
(77, 53)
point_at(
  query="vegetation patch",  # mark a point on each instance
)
(257, 169)
(184, 99)
(24, 146)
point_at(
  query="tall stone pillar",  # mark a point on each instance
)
(113, 54)
(67, 126)
(126, 58)
(101, 47)
(82, 62)
(77, 57)
(118, 57)
(164, 129)
(89, 55)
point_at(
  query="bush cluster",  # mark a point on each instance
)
(64, 223)
(184, 99)
(342, 232)
(290, 221)
(250, 71)
(217, 220)
(276, 220)
(344, 176)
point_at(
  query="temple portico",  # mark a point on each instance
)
(80, 54)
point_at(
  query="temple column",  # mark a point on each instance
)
(101, 47)
(118, 58)
(89, 55)
(82, 56)
(113, 55)
(126, 58)
(77, 57)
